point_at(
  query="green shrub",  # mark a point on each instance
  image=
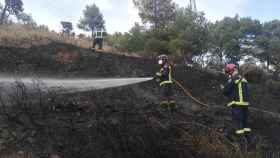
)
(253, 73)
(155, 46)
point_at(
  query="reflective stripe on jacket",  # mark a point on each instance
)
(237, 90)
(165, 75)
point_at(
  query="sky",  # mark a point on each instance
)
(120, 15)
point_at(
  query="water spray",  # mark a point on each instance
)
(70, 85)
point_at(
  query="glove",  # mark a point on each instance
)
(158, 74)
(228, 106)
(229, 80)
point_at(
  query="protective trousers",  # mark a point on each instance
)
(166, 96)
(240, 120)
(99, 42)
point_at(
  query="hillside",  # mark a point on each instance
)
(125, 122)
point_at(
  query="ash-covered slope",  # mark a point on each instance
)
(121, 122)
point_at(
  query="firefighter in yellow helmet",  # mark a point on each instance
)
(237, 90)
(164, 78)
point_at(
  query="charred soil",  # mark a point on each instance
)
(125, 122)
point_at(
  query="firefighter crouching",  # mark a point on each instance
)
(164, 78)
(237, 90)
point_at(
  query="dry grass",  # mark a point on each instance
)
(19, 154)
(25, 36)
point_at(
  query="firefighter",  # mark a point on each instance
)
(98, 39)
(237, 90)
(164, 78)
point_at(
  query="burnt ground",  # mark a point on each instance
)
(125, 121)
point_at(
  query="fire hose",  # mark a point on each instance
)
(189, 94)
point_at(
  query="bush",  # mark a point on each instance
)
(253, 73)
(175, 46)
(118, 41)
(155, 46)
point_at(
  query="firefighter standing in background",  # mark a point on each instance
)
(164, 78)
(98, 39)
(237, 90)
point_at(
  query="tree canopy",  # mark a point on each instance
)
(92, 19)
(156, 12)
(25, 19)
(188, 34)
(12, 7)
(67, 27)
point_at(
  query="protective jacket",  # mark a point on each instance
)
(165, 75)
(237, 90)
